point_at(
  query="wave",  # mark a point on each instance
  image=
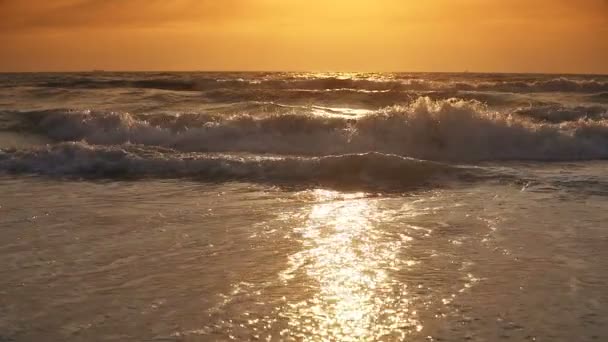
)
(360, 98)
(444, 130)
(368, 169)
(560, 84)
(279, 82)
(556, 113)
(600, 97)
(371, 99)
(166, 84)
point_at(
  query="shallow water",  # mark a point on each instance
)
(177, 260)
(347, 207)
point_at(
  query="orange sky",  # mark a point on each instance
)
(569, 36)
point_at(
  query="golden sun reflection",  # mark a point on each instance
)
(349, 258)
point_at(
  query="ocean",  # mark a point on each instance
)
(303, 207)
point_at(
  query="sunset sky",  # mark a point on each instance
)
(566, 36)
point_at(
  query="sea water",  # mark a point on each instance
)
(303, 207)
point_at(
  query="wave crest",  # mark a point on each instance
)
(84, 160)
(446, 130)
(276, 82)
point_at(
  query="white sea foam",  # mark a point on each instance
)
(444, 130)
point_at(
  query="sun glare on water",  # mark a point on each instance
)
(349, 258)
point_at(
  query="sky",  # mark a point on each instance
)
(556, 36)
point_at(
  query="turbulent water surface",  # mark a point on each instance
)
(304, 207)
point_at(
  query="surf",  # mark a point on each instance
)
(440, 130)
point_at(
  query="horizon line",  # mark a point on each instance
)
(298, 71)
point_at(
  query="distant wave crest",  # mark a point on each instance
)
(276, 83)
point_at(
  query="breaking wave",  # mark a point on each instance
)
(443, 130)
